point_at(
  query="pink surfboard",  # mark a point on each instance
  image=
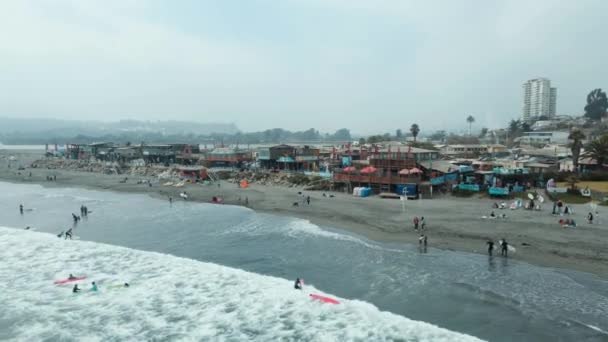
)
(324, 299)
(64, 281)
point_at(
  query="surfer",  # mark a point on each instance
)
(298, 284)
(75, 289)
(93, 286)
(503, 247)
(27, 228)
(71, 276)
(126, 284)
(21, 209)
(490, 247)
(68, 234)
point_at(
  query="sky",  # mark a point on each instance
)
(370, 66)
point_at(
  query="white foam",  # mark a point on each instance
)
(171, 299)
(300, 226)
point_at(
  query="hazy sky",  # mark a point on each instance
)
(372, 66)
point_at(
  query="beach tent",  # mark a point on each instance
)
(244, 184)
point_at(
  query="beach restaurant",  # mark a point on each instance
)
(387, 170)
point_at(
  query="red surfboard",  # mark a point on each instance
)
(324, 299)
(63, 281)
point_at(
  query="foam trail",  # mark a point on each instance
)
(171, 298)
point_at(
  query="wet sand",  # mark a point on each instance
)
(452, 223)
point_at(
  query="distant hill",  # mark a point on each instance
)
(53, 127)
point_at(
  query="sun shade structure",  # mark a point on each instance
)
(349, 169)
(369, 169)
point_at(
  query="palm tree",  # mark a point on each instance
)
(577, 137)
(415, 130)
(598, 149)
(470, 120)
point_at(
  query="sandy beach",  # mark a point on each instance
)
(452, 223)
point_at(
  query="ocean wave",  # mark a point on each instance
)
(171, 298)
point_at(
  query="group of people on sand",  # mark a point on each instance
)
(502, 243)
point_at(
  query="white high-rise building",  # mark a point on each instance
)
(539, 99)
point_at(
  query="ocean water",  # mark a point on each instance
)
(237, 280)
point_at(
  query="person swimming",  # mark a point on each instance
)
(75, 289)
(126, 284)
(298, 284)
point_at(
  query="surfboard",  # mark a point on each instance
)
(65, 281)
(324, 299)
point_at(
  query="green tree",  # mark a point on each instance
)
(415, 130)
(470, 120)
(361, 141)
(342, 134)
(438, 135)
(598, 149)
(597, 103)
(577, 137)
(525, 127)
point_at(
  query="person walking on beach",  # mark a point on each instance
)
(590, 218)
(503, 247)
(416, 222)
(422, 223)
(170, 200)
(21, 209)
(560, 204)
(308, 200)
(490, 247)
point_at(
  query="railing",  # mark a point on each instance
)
(362, 178)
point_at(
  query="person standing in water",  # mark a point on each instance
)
(504, 247)
(75, 289)
(298, 284)
(93, 287)
(21, 209)
(490, 247)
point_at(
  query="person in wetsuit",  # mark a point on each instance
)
(93, 286)
(490, 247)
(68, 234)
(21, 209)
(503, 247)
(298, 284)
(71, 276)
(75, 289)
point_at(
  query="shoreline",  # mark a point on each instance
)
(452, 223)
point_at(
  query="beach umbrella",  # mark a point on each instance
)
(349, 169)
(369, 169)
(404, 172)
(415, 170)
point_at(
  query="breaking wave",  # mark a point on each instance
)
(171, 298)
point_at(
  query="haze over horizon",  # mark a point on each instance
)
(297, 64)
